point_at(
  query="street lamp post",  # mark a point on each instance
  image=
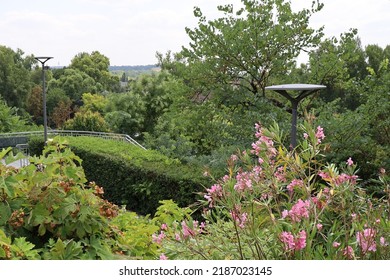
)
(304, 91)
(43, 60)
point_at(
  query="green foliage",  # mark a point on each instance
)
(126, 113)
(10, 121)
(137, 234)
(14, 76)
(48, 211)
(249, 44)
(274, 203)
(96, 66)
(74, 83)
(87, 121)
(137, 178)
(94, 102)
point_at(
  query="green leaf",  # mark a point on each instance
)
(5, 213)
(4, 152)
(42, 229)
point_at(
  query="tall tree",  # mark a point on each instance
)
(248, 45)
(96, 65)
(15, 81)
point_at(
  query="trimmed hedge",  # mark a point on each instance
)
(137, 178)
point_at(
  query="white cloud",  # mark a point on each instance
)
(131, 31)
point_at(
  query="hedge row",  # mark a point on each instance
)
(134, 177)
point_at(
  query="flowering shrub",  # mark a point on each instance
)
(275, 203)
(49, 211)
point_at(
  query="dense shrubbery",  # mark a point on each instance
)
(49, 211)
(279, 204)
(137, 178)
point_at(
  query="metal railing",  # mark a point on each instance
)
(23, 136)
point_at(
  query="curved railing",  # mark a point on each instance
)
(20, 137)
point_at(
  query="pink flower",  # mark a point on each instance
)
(280, 174)
(164, 227)
(158, 238)
(300, 242)
(299, 211)
(324, 175)
(353, 215)
(177, 237)
(292, 243)
(320, 134)
(244, 181)
(214, 193)
(293, 184)
(348, 252)
(336, 244)
(319, 227)
(305, 135)
(349, 162)
(187, 232)
(234, 157)
(240, 219)
(163, 257)
(383, 242)
(345, 178)
(263, 144)
(366, 240)
(288, 239)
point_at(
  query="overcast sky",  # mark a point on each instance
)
(129, 32)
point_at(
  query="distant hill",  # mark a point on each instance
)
(126, 68)
(132, 71)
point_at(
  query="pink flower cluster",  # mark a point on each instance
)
(213, 194)
(189, 232)
(263, 143)
(340, 179)
(280, 174)
(320, 134)
(299, 211)
(366, 240)
(244, 181)
(240, 218)
(294, 183)
(348, 252)
(292, 243)
(158, 238)
(345, 178)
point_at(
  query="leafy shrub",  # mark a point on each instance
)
(279, 204)
(49, 211)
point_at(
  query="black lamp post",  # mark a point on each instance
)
(304, 91)
(43, 60)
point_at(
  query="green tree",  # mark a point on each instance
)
(247, 46)
(96, 66)
(126, 113)
(94, 102)
(61, 113)
(87, 121)
(10, 121)
(15, 83)
(226, 67)
(74, 83)
(34, 104)
(154, 90)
